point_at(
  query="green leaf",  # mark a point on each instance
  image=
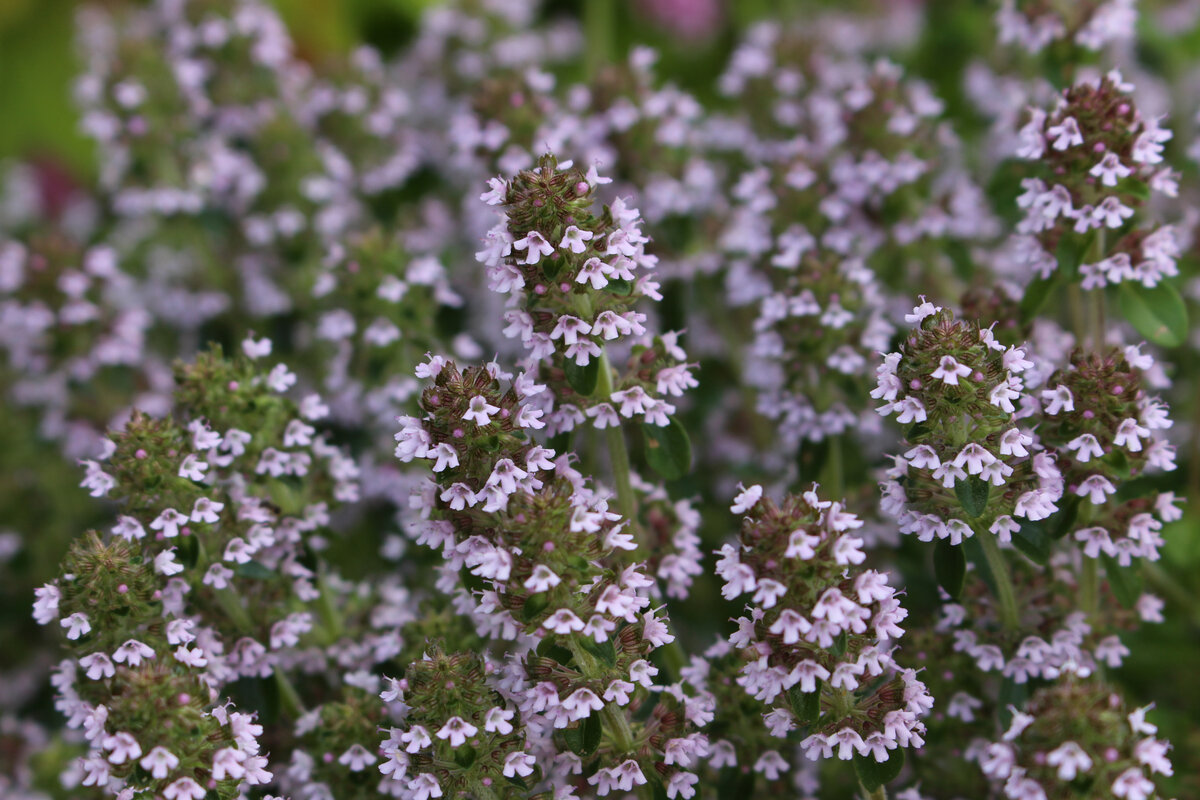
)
(464, 755)
(254, 570)
(1125, 582)
(973, 494)
(582, 379)
(548, 649)
(950, 567)
(1070, 252)
(839, 644)
(805, 705)
(1011, 694)
(1032, 540)
(619, 287)
(668, 449)
(1036, 294)
(874, 774)
(735, 784)
(601, 650)
(534, 604)
(584, 738)
(1159, 314)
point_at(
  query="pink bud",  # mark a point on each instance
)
(1123, 109)
(564, 287)
(539, 289)
(1100, 147)
(1111, 754)
(158, 594)
(458, 433)
(538, 202)
(1118, 389)
(977, 376)
(233, 386)
(122, 589)
(1039, 758)
(141, 453)
(185, 531)
(184, 698)
(504, 413)
(449, 684)
(486, 781)
(915, 383)
(947, 675)
(581, 187)
(1088, 413)
(327, 758)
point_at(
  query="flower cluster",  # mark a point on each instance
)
(1106, 429)
(1090, 24)
(1100, 158)
(971, 467)
(551, 568)
(1073, 736)
(203, 568)
(458, 735)
(573, 278)
(817, 644)
(814, 347)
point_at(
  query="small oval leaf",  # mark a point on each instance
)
(1159, 314)
(875, 774)
(1125, 582)
(973, 493)
(668, 449)
(582, 379)
(950, 567)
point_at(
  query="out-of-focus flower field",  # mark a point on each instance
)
(583, 398)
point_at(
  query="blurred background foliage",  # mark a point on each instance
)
(38, 123)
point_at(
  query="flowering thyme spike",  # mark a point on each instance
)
(970, 467)
(551, 568)
(1098, 159)
(1074, 733)
(574, 278)
(817, 643)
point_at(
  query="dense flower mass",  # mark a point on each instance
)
(375, 411)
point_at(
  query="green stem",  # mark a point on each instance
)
(288, 694)
(612, 716)
(231, 604)
(599, 34)
(1088, 583)
(834, 471)
(878, 794)
(329, 613)
(1077, 306)
(1005, 596)
(617, 452)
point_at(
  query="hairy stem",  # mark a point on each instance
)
(1005, 596)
